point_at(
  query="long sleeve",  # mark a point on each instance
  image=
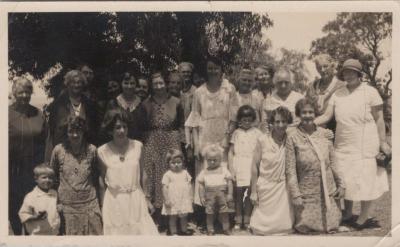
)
(290, 169)
(336, 172)
(54, 164)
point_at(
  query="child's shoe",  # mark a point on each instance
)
(236, 227)
(226, 232)
(210, 232)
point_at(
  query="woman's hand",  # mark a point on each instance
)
(196, 152)
(385, 148)
(298, 202)
(264, 127)
(150, 207)
(167, 203)
(339, 193)
(60, 208)
(254, 198)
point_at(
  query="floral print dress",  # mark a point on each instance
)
(164, 123)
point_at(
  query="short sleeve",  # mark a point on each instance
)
(234, 136)
(374, 98)
(166, 179)
(194, 118)
(200, 178)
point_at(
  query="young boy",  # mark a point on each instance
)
(39, 210)
(215, 188)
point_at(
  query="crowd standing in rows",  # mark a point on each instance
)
(173, 149)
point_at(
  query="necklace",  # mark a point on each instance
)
(121, 153)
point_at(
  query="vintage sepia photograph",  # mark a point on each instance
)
(199, 123)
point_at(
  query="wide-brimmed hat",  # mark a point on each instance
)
(350, 64)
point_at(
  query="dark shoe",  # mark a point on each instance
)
(226, 232)
(368, 224)
(187, 233)
(349, 220)
(211, 233)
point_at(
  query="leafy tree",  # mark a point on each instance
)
(356, 35)
(115, 42)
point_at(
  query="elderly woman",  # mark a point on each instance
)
(72, 102)
(272, 213)
(360, 134)
(283, 94)
(322, 89)
(312, 177)
(26, 135)
(129, 101)
(75, 164)
(164, 121)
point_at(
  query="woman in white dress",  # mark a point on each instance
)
(125, 207)
(360, 134)
(272, 213)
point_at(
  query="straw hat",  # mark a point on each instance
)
(351, 64)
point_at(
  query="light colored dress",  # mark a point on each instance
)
(273, 214)
(311, 174)
(179, 192)
(273, 102)
(125, 210)
(211, 114)
(357, 143)
(244, 145)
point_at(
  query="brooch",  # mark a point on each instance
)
(122, 158)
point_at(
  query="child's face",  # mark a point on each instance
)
(44, 181)
(246, 123)
(176, 164)
(213, 162)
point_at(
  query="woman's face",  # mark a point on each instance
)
(176, 164)
(174, 85)
(307, 115)
(75, 86)
(120, 130)
(283, 87)
(280, 124)
(214, 72)
(159, 86)
(186, 72)
(113, 89)
(75, 136)
(325, 68)
(22, 94)
(128, 85)
(142, 88)
(263, 78)
(245, 83)
(350, 76)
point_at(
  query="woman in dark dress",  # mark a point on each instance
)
(26, 147)
(164, 121)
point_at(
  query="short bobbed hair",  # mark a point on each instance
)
(304, 102)
(246, 111)
(111, 117)
(172, 154)
(74, 75)
(283, 112)
(212, 150)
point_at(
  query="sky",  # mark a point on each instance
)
(296, 31)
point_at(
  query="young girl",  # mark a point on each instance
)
(215, 188)
(177, 192)
(243, 145)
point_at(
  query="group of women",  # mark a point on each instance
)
(297, 178)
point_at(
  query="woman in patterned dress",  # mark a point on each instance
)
(164, 122)
(312, 177)
(75, 164)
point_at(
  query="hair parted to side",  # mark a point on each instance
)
(212, 150)
(283, 112)
(246, 111)
(172, 154)
(303, 102)
(74, 75)
(43, 169)
(111, 117)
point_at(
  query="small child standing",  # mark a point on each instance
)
(39, 210)
(215, 188)
(177, 192)
(243, 145)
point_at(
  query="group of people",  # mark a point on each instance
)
(165, 151)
